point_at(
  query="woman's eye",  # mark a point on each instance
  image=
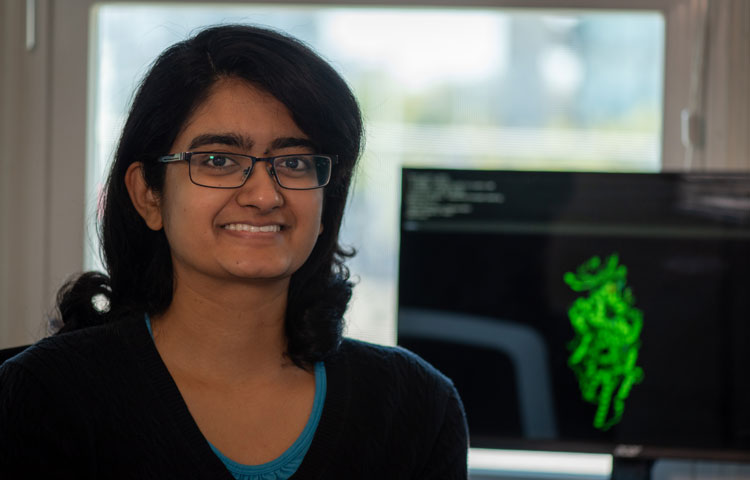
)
(295, 163)
(217, 161)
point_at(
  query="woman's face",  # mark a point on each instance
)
(216, 232)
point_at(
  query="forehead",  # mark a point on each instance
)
(238, 107)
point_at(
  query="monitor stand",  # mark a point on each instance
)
(631, 468)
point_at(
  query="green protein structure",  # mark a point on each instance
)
(607, 329)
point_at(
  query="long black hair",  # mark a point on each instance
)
(138, 262)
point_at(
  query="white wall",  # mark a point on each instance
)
(42, 159)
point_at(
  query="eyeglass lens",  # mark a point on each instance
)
(223, 170)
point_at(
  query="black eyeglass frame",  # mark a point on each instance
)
(186, 156)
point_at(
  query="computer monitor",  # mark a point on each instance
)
(588, 312)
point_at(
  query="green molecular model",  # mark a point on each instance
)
(607, 337)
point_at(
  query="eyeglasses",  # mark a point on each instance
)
(231, 170)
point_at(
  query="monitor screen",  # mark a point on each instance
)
(597, 312)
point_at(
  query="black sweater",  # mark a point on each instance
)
(100, 403)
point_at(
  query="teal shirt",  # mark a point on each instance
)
(285, 465)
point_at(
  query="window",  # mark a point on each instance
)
(479, 88)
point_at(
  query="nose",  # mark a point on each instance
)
(260, 189)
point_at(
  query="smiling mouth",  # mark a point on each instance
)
(243, 227)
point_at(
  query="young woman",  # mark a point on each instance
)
(220, 351)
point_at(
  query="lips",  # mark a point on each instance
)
(245, 227)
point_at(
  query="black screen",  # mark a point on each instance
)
(651, 353)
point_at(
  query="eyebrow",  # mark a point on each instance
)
(245, 143)
(290, 142)
(228, 139)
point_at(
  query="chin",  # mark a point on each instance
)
(255, 272)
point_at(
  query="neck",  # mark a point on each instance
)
(224, 331)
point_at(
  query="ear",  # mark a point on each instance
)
(145, 201)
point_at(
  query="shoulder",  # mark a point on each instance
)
(391, 400)
(58, 353)
(40, 399)
(396, 375)
(65, 362)
(392, 362)
(45, 368)
(74, 402)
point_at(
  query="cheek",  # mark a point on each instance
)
(309, 213)
(318, 216)
(187, 221)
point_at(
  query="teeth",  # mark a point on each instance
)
(243, 227)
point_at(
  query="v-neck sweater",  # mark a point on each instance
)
(284, 466)
(100, 403)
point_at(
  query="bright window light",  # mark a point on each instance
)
(439, 87)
